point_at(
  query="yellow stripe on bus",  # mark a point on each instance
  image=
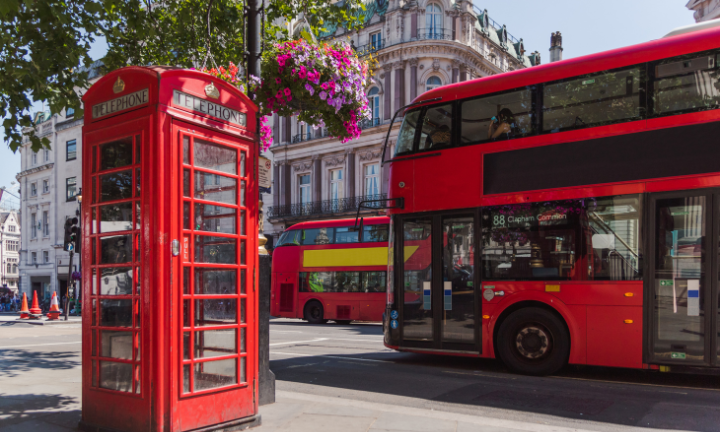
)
(355, 257)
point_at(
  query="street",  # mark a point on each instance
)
(340, 377)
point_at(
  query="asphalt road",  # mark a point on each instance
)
(350, 361)
(40, 385)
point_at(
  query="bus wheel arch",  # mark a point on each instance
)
(540, 323)
(313, 312)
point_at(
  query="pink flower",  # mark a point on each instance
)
(287, 91)
(278, 80)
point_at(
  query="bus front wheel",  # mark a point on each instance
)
(313, 313)
(533, 341)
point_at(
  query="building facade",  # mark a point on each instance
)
(9, 250)
(704, 10)
(50, 183)
(418, 45)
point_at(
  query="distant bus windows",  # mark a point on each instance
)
(287, 238)
(592, 100)
(316, 236)
(373, 281)
(345, 235)
(406, 136)
(375, 233)
(477, 114)
(686, 83)
(436, 129)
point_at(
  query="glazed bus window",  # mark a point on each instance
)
(615, 237)
(531, 241)
(375, 233)
(477, 115)
(406, 136)
(317, 236)
(288, 238)
(592, 100)
(436, 131)
(346, 235)
(686, 83)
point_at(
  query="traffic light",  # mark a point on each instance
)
(72, 234)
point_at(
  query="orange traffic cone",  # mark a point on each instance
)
(24, 308)
(54, 308)
(35, 309)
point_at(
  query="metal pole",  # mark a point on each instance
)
(69, 284)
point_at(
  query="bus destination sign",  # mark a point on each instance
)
(209, 108)
(131, 100)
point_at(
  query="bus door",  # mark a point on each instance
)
(439, 307)
(682, 283)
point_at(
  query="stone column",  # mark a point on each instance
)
(454, 28)
(413, 78)
(286, 195)
(399, 85)
(316, 178)
(463, 72)
(385, 169)
(413, 25)
(287, 133)
(276, 129)
(387, 108)
(455, 71)
(350, 173)
(276, 184)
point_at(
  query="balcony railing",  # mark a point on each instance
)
(326, 207)
(433, 34)
(368, 123)
(369, 48)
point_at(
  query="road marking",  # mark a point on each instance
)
(298, 342)
(36, 345)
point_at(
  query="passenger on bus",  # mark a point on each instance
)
(439, 138)
(502, 127)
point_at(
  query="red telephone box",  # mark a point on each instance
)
(169, 225)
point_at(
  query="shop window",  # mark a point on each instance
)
(585, 239)
(686, 84)
(497, 117)
(593, 100)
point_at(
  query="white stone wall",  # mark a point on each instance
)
(704, 10)
(9, 256)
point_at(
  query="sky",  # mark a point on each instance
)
(587, 27)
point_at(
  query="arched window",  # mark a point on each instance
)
(374, 98)
(432, 82)
(433, 21)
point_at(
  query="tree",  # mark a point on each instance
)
(45, 43)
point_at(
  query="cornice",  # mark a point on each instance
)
(34, 170)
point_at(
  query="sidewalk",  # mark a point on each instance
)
(12, 317)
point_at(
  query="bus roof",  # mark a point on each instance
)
(332, 223)
(670, 46)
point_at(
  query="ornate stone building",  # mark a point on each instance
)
(419, 45)
(705, 10)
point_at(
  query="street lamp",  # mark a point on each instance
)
(79, 239)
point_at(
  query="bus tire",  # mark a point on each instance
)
(313, 312)
(533, 341)
(343, 322)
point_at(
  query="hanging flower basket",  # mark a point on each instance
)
(322, 84)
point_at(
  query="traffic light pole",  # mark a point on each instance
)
(70, 283)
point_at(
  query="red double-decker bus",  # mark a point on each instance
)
(328, 270)
(573, 212)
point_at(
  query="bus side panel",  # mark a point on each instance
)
(615, 336)
(372, 307)
(284, 300)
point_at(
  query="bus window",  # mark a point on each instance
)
(686, 83)
(373, 282)
(288, 238)
(346, 282)
(375, 233)
(592, 100)
(616, 237)
(316, 236)
(344, 235)
(436, 131)
(531, 241)
(477, 116)
(406, 136)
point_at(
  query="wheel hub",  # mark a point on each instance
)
(532, 342)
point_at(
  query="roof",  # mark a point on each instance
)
(378, 220)
(648, 51)
(4, 216)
